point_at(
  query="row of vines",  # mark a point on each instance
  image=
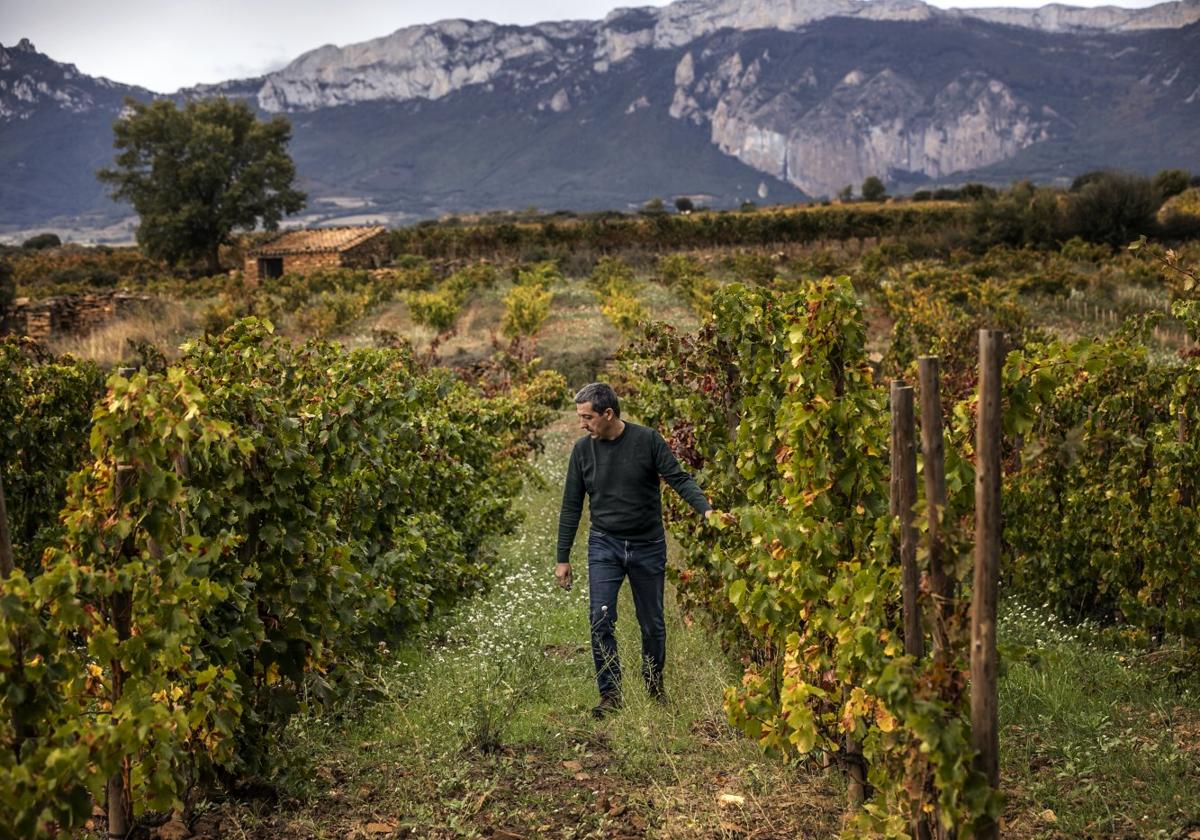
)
(778, 408)
(668, 232)
(234, 530)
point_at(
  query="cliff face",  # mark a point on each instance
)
(435, 60)
(422, 62)
(867, 124)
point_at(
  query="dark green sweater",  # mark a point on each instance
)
(620, 478)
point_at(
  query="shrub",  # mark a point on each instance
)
(540, 275)
(438, 310)
(975, 192)
(684, 204)
(1171, 182)
(1078, 250)
(8, 286)
(1086, 178)
(41, 242)
(1024, 215)
(1178, 225)
(922, 195)
(624, 311)
(526, 308)
(751, 267)
(686, 276)
(1114, 208)
(330, 311)
(611, 273)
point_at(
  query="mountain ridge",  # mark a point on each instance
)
(460, 115)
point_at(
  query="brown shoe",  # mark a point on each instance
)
(609, 703)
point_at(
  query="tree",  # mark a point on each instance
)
(41, 242)
(845, 193)
(196, 173)
(653, 207)
(684, 204)
(1113, 208)
(873, 189)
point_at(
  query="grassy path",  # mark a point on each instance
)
(479, 727)
(484, 730)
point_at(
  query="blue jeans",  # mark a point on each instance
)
(609, 561)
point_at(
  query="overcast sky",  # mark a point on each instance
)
(164, 45)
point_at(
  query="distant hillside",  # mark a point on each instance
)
(720, 100)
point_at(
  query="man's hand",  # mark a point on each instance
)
(718, 519)
(562, 575)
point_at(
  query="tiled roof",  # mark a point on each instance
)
(316, 241)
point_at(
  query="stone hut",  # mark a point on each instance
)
(298, 251)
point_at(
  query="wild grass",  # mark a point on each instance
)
(1098, 740)
(165, 324)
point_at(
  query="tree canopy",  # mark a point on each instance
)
(873, 189)
(195, 174)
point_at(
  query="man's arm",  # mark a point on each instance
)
(683, 484)
(571, 511)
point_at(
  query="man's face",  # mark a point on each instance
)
(596, 425)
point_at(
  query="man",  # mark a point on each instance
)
(618, 465)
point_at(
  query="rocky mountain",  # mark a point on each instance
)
(722, 100)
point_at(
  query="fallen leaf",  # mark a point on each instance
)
(617, 810)
(731, 799)
(573, 766)
(582, 777)
(379, 828)
(1049, 816)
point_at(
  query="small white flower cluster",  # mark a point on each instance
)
(492, 630)
(1039, 627)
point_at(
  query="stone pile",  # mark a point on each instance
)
(68, 314)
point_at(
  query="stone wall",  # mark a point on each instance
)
(69, 314)
(295, 264)
(370, 254)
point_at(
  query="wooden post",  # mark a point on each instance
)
(933, 445)
(7, 564)
(985, 734)
(904, 496)
(1185, 487)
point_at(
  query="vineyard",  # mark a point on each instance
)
(309, 532)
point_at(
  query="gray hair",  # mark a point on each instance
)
(601, 396)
